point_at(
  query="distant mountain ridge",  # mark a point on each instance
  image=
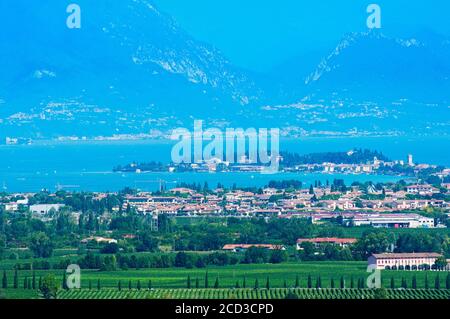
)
(132, 70)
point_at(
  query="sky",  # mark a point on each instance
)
(261, 34)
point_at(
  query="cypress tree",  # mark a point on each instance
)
(256, 284)
(16, 279)
(285, 284)
(119, 285)
(392, 283)
(414, 282)
(25, 283)
(150, 284)
(427, 284)
(447, 282)
(30, 286)
(404, 284)
(237, 286)
(34, 280)
(216, 284)
(437, 282)
(138, 286)
(4, 280)
(206, 280)
(197, 283)
(244, 283)
(332, 283)
(40, 283)
(188, 283)
(98, 285)
(319, 282)
(90, 284)
(267, 283)
(352, 282)
(297, 282)
(309, 281)
(130, 286)
(342, 285)
(64, 282)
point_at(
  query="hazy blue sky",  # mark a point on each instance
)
(259, 34)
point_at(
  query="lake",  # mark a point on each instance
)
(88, 165)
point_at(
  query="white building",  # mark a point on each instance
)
(394, 221)
(44, 209)
(403, 261)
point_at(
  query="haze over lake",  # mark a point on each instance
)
(88, 165)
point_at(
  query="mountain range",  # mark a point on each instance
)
(132, 69)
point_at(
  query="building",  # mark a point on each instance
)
(242, 247)
(421, 189)
(394, 221)
(410, 160)
(341, 242)
(44, 209)
(404, 261)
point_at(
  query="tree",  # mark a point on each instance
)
(319, 282)
(427, 284)
(25, 283)
(216, 284)
(447, 282)
(392, 283)
(188, 285)
(49, 289)
(33, 284)
(267, 283)
(4, 280)
(150, 285)
(437, 282)
(98, 285)
(197, 283)
(237, 286)
(404, 284)
(41, 245)
(256, 284)
(90, 285)
(352, 282)
(130, 286)
(342, 283)
(244, 283)
(414, 282)
(16, 279)
(206, 281)
(40, 282)
(297, 282)
(119, 285)
(441, 263)
(309, 281)
(64, 282)
(138, 286)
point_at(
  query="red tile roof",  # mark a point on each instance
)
(332, 240)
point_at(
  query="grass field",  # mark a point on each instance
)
(277, 293)
(176, 278)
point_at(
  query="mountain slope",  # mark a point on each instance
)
(128, 64)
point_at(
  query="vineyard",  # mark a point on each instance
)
(277, 293)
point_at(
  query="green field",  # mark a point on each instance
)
(277, 293)
(229, 276)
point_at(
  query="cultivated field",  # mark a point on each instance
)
(277, 293)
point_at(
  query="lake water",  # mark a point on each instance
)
(88, 166)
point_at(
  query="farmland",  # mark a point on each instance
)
(173, 282)
(277, 293)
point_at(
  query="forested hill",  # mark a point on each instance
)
(357, 156)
